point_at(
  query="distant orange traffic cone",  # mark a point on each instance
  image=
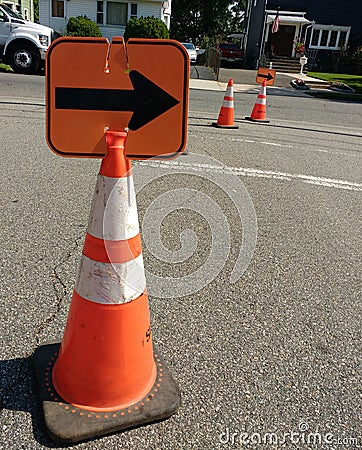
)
(259, 111)
(105, 376)
(226, 114)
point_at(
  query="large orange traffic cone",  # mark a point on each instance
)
(259, 111)
(106, 376)
(226, 114)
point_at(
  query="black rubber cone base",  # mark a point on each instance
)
(257, 120)
(215, 124)
(66, 423)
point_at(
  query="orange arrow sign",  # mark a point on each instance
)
(267, 75)
(93, 86)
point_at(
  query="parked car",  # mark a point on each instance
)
(191, 50)
(231, 53)
(23, 44)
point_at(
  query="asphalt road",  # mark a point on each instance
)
(262, 327)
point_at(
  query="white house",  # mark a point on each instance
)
(110, 15)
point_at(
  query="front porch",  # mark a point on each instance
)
(292, 28)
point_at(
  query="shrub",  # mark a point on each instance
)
(81, 26)
(355, 61)
(146, 27)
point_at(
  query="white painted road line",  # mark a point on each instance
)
(295, 147)
(277, 144)
(248, 172)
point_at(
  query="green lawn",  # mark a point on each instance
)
(354, 81)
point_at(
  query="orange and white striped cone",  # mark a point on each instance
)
(105, 376)
(259, 111)
(226, 114)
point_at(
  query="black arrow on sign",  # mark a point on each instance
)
(268, 77)
(146, 100)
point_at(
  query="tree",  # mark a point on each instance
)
(196, 20)
(237, 10)
(185, 20)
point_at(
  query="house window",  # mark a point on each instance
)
(324, 38)
(9, 5)
(133, 14)
(342, 39)
(57, 8)
(100, 12)
(329, 37)
(315, 38)
(333, 39)
(26, 14)
(115, 13)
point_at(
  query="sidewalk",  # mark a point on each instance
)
(211, 85)
(244, 80)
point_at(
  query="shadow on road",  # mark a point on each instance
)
(18, 393)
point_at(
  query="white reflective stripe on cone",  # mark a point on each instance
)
(114, 210)
(260, 101)
(111, 283)
(228, 103)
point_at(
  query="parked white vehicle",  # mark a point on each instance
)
(191, 50)
(23, 44)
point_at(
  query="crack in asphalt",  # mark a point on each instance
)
(60, 292)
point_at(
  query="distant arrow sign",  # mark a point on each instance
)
(146, 100)
(268, 76)
(265, 74)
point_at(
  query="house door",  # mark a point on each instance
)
(282, 40)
